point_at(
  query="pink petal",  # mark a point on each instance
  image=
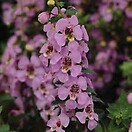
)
(61, 24)
(76, 70)
(55, 58)
(83, 98)
(63, 93)
(64, 119)
(81, 117)
(85, 35)
(71, 104)
(73, 20)
(77, 31)
(60, 38)
(73, 45)
(24, 61)
(63, 77)
(92, 124)
(75, 56)
(82, 83)
(35, 61)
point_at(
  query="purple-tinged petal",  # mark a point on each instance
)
(81, 117)
(35, 61)
(60, 130)
(55, 11)
(77, 31)
(21, 75)
(83, 98)
(76, 70)
(96, 117)
(64, 119)
(23, 62)
(60, 38)
(63, 93)
(82, 83)
(92, 124)
(63, 77)
(85, 34)
(44, 60)
(71, 104)
(55, 58)
(61, 24)
(73, 45)
(75, 56)
(73, 20)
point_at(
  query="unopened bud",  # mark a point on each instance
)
(43, 17)
(51, 2)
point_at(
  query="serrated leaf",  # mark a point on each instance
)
(70, 12)
(120, 109)
(86, 70)
(4, 128)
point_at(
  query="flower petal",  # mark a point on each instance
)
(81, 117)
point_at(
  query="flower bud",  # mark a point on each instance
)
(129, 98)
(43, 17)
(51, 2)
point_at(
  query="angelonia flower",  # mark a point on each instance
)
(130, 129)
(64, 83)
(129, 98)
(20, 66)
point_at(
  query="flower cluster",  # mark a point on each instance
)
(20, 64)
(64, 57)
(110, 24)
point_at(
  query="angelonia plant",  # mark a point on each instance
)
(64, 82)
(47, 76)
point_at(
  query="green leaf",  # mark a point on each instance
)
(57, 101)
(96, 99)
(86, 70)
(91, 90)
(61, 4)
(126, 68)
(54, 19)
(115, 128)
(5, 97)
(120, 110)
(70, 12)
(4, 128)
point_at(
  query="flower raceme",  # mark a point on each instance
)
(63, 57)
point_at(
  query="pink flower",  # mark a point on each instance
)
(129, 98)
(88, 113)
(43, 17)
(56, 123)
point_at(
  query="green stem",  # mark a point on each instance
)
(103, 126)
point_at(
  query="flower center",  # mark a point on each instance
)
(58, 123)
(48, 51)
(47, 107)
(30, 71)
(69, 34)
(43, 89)
(74, 91)
(8, 61)
(89, 112)
(66, 64)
